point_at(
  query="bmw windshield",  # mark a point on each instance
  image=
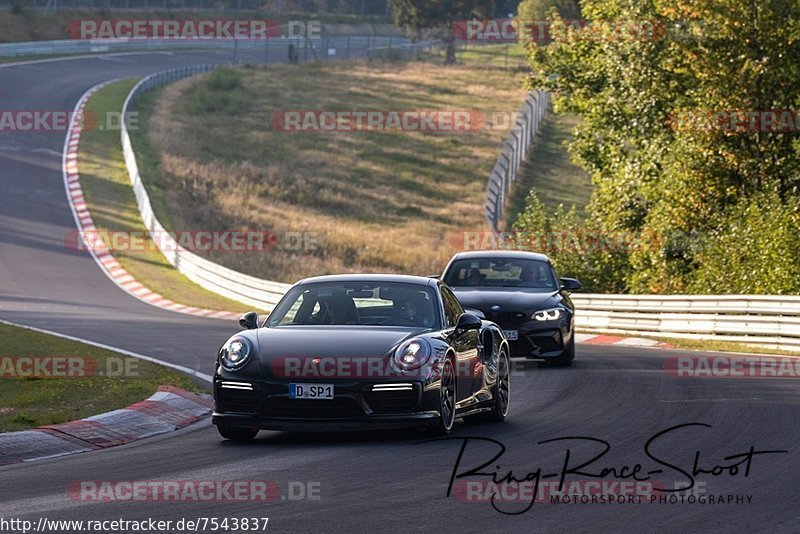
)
(533, 275)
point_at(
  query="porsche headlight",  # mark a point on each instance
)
(235, 353)
(547, 315)
(412, 354)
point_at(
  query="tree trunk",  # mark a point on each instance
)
(450, 52)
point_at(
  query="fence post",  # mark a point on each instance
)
(515, 148)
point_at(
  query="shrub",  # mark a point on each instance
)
(577, 249)
(221, 92)
(755, 249)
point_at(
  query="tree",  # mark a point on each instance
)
(416, 15)
(650, 96)
(541, 9)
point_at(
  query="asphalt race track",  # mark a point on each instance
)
(368, 482)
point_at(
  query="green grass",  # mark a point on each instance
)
(502, 55)
(110, 198)
(31, 402)
(31, 57)
(722, 346)
(377, 201)
(549, 170)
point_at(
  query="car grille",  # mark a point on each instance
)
(304, 408)
(537, 344)
(508, 319)
(392, 398)
(238, 400)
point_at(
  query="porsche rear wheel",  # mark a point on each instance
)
(235, 433)
(502, 390)
(502, 395)
(447, 400)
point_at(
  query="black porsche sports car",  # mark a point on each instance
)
(520, 292)
(359, 352)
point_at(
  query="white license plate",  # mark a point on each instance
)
(511, 335)
(311, 391)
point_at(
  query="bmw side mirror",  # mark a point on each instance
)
(249, 320)
(468, 321)
(570, 284)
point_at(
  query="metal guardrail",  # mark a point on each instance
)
(771, 321)
(764, 320)
(262, 294)
(515, 148)
(251, 50)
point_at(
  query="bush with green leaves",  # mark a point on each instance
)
(755, 250)
(541, 9)
(221, 92)
(577, 249)
(674, 180)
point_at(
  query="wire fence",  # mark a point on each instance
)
(294, 49)
(515, 148)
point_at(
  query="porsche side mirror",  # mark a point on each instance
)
(570, 284)
(473, 311)
(249, 320)
(468, 321)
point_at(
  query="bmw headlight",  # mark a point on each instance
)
(235, 353)
(548, 315)
(412, 354)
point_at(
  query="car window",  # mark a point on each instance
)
(292, 313)
(535, 275)
(371, 303)
(452, 307)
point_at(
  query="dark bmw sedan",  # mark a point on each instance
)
(358, 352)
(520, 292)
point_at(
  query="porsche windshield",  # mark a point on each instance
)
(533, 275)
(358, 303)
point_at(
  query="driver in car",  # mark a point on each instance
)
(474, 277)
(407, 313)
(529, 276)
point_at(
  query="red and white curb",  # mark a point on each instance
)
(167, 410)
(603, 339)
(83, 219)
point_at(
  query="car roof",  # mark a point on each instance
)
(507, 254)
(397, 278)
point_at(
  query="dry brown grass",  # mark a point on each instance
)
(387, 201)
